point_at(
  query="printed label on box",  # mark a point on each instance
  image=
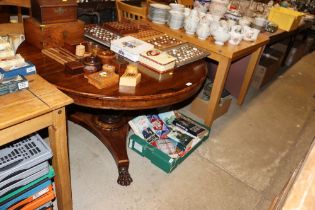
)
(23, 85)
(30, 69)
(138, 147)
(130, 143)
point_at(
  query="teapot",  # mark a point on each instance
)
(220, 36)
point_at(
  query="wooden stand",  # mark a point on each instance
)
(112, 131)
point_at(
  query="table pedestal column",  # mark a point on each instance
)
(111, 130)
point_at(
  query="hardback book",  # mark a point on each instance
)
(27, 69)
(158, 126)
(183, 140)
(142, 127)
(157, 60)
(130, 47)
(175, 118)
(13, 84)
(168, 146)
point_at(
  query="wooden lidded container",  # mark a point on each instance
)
(54, 11)
(51, 35)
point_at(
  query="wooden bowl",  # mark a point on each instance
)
(106, 56)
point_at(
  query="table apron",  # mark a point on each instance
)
(24, 128)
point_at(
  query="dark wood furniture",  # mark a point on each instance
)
(105, 112)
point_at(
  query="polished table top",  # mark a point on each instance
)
(149, 93)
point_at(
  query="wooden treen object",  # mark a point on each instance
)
(126, 11)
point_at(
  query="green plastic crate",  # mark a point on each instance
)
(157, 157)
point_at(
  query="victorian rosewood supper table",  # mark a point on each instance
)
(224, 55)
(105, 112)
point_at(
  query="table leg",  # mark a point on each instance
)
(112, 131)
(249, 74)
(218, 85)
(60, 160)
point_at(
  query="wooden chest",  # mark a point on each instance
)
(52, 35)
(54, 11)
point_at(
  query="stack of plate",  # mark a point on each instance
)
(158, 13)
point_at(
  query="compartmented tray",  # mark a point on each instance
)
(22, 155)
(21, 190)
(121, 28)
(40, 188)
(10, 187)
(145, 34)
(23, 174)
(159, 158)
(100, 34)
(164, 41)
(187, 53)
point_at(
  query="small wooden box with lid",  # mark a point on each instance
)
(54, 11)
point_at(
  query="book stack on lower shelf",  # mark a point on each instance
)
(166, 138)
(26, 175)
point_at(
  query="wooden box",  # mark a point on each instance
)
(52, 35)
(54, 11)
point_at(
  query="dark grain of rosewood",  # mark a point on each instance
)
(102, 113)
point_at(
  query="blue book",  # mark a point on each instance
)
(27, 69)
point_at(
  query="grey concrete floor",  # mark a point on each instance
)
(247, 160)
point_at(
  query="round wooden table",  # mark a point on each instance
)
(105, 112)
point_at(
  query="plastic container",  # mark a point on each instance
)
(286, 19)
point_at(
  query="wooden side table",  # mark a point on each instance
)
(28, 111)
(224, 55)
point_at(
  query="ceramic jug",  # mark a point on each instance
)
(236, 35)
(191, 22)
(15, 40)
(220, 36)
(203, 30)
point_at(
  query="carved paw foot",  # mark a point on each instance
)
(124, 177)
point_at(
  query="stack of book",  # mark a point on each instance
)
(13, 68)
(25, 175)
(171, 132)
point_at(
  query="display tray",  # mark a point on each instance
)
(121, 28)
(187, 53)
(22, 155)
(164, 41)
(16, 177)
(156, 156)
(20, 191)
(99, 34)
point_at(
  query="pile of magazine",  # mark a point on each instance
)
(171, 132)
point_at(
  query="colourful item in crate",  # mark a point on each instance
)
(286, 19)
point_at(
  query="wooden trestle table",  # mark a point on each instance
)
(27, 111)
(224, 55)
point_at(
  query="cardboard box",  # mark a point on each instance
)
(265, 70)
(199, 107)
(157, 157)
(28, 69)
